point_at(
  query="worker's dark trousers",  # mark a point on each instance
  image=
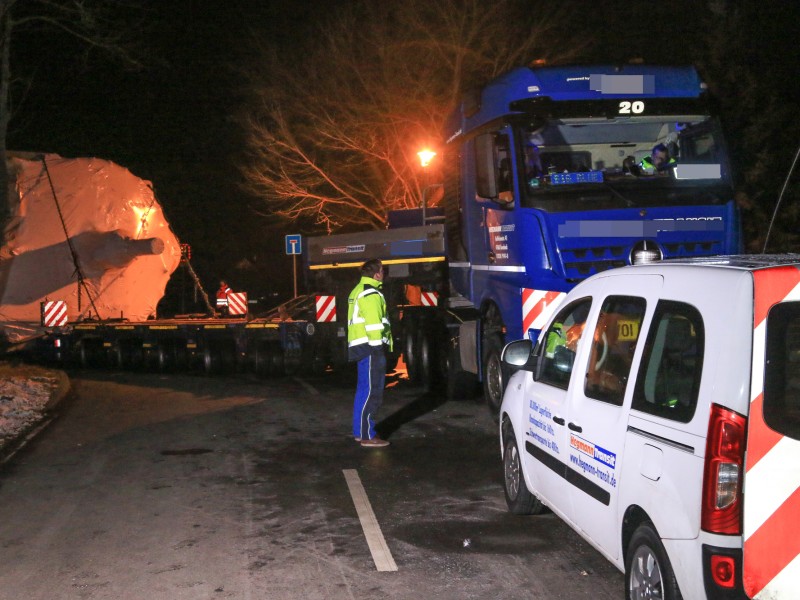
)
(369, 393)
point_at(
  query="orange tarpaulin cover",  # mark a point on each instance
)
(124, 246)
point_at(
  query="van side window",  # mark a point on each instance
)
(782, 370)
(613, 345)
(561, 343)
(672, 363)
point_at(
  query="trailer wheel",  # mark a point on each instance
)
(495, 375)
(411, 349)
(277, 364)
(319, 360)
(168, 357)
(426, 358)
(89, 353)
(219, 357)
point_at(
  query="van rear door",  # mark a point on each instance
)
(771, 528)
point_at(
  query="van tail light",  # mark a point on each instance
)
(724, 469)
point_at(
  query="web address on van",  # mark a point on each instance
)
(601, 474)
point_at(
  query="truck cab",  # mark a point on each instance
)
(547, 183)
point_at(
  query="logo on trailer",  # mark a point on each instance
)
(326, 309)
(537, 307)
(54, 313)
(237, 303)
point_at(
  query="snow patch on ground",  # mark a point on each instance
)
(24, 399)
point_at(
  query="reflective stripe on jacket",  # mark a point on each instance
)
(222, 296)
(367, 322)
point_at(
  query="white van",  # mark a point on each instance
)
(659, 415)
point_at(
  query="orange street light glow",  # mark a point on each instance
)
(425, 157)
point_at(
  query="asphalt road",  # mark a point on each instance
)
(173, 487)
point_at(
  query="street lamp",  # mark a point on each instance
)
(425, 158)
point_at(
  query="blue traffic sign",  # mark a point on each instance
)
(294, 244)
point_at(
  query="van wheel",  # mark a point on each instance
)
(518, 498)
(648, 573)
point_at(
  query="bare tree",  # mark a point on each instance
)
(757, 91)
(95, 23)
(333, 125)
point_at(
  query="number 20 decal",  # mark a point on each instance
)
(626, 108)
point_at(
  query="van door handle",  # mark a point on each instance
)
(559, 420)
(575, 428)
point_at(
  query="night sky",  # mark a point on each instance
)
(169, 123)
(172, 121)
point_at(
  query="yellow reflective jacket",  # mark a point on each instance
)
(367, 322)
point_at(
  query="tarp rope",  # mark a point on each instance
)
(75, 261)
(199, 285)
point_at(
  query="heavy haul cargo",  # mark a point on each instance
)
(87, 257)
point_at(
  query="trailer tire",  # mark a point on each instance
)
(495, 375)
(426, 357)
(410, 349)
(89, 353)
(169, 357)
(277, 364)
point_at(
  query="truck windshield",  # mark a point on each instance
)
(585, 163)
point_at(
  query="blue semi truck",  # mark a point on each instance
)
(546, 181)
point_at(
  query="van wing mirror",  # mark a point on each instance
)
(519, 355)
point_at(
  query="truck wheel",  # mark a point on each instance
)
(460, 384)
(518, 498)
(648, 573)
(495, 375)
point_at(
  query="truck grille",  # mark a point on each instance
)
(582, 262)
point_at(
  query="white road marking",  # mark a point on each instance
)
(372, 531)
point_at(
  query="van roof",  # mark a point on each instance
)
(743, 262)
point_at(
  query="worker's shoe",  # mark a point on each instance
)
(375, 442)
(358, 439)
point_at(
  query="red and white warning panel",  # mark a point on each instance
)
(429, 298)
(237, 303)
(537, 307)
(772, 467)
(326, 309)
(54, 313)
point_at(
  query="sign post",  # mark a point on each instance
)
(294, 246)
